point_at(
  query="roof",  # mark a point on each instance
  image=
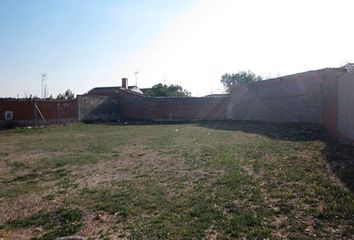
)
(103, 90)
(111, 90)
(217, 95)
(135, 89)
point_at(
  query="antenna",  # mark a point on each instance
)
(44, 76)
(136, 78)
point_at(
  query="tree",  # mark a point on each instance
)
(68, 95)
(242, 77)
(163, 90)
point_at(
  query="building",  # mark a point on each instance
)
(114, 91)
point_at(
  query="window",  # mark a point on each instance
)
(9, 115)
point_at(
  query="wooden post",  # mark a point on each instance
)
(58, 112)
(35, 114)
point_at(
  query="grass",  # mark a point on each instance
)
(61, 222)
(217, 180)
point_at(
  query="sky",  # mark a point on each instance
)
(81, 44)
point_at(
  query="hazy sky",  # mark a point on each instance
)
(81, 44)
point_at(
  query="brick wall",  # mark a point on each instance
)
(25, 113)
(323, 97)
(293, 98)
(136, 107)
(330, 105)
(346, 106)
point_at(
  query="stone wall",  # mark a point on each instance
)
(98, 108)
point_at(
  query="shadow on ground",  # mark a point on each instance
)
(339, 156)
(276, 131)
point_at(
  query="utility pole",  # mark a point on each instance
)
(136, 78)
(45, 90)
(44, 76)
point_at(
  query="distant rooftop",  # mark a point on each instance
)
(217, 95)
(111, 90)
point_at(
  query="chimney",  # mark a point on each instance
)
(125, 83)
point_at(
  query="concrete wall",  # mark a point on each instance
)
(25, 113)
(98, 108)
(293, 98)
(346, 106)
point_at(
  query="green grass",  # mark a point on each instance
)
(180, 181)
(61, 222)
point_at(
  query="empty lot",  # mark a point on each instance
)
(178, 181)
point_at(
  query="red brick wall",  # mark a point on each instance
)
(24, 110)
(133, 106)
(148, 108)
(188, 111)
(330, 106)
(345, 100)
(330, 115)
(307, 97)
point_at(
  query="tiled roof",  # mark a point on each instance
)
(111, 90)
(104, 90)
